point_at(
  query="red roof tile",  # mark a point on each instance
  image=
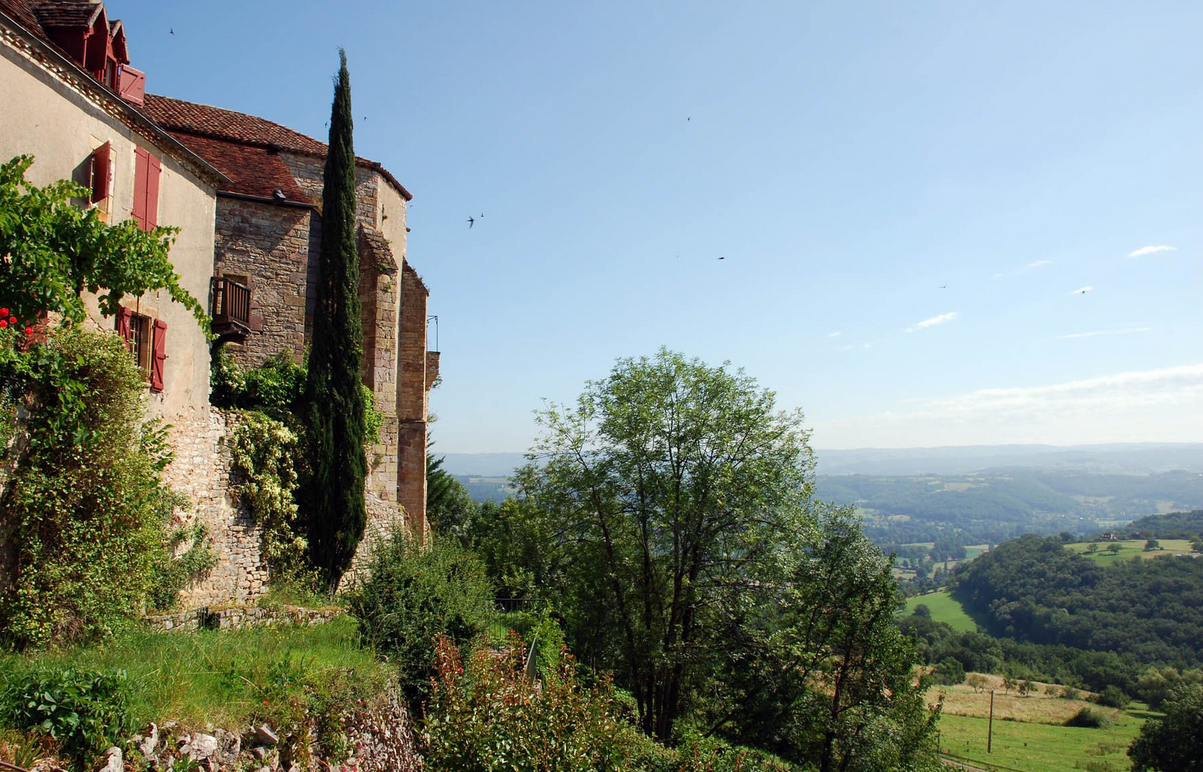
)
(67, 13)
(22, 12)
(191, 118)
(252, 170)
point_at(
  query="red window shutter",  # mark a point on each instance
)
(141, 175)
(160, 354)
(102, 172)
(124, 330)
(154, 169)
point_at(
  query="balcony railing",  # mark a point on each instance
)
(231, 309)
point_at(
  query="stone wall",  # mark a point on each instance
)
(269, 244)
(240, 618)
(412, 405)
(202, 469)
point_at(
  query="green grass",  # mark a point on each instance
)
(943, 609)
(1130, 548)
(218, 677)
(1031, 747)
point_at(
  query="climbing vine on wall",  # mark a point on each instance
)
(264, 454)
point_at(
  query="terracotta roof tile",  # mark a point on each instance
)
(67, 13)
(177, 115)
(253, 171)
(22, 12)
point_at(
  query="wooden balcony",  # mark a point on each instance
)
(231, 310)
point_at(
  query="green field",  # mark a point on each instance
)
(1031, 747)
(943, 609)
(1130, 548)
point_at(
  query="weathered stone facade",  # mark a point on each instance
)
(246, 194)
(203, 469)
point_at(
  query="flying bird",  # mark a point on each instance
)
(471, 222)
(722, 258)
(171, 30)
(943, 286)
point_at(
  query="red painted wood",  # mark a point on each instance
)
(160, 356)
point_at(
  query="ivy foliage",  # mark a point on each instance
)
(264, 453)
(51, 251)
(87, 533)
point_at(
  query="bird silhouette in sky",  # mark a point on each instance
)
(171, 30)
(722, 258)
(943, 286)
(471, 222)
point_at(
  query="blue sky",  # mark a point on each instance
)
(907, 195)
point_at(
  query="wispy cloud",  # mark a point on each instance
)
(1036, 265)
(835, 334)
(1080, 290)
(933, 321)
(1160, 405)
(1097, 333)
(1152, 250)
(852, 346)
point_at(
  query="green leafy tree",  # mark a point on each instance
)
(449, 506)
(51, 251)
(1173, 743)
(334, 506)
(668, 481)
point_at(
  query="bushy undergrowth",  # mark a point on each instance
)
(81, 712)
(299, 680)
(413, 595)
(1089, 718)
(486, 713)
(87, 520)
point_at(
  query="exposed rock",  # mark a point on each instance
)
(201, 747)
(113, 762)
(148, 744)
(265, 736)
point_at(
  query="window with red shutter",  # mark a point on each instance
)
(102, 172)
(160, 355)
(154, 170)
(124, 329)
(147, 170)
(141, 175)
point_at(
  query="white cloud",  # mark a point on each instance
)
(1096, 333)
(1033, 266)
(1150, 250)
(1163, 405)
(835, 334)
(933, 321)
(1080, 290)
(998, 276)
(851, 346)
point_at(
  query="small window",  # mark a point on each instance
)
(102, 172)
(146, 339)
(147, 170)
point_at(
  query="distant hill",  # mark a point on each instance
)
(1176, 525)
(482, 464)
(1121, 458)
(1124, 458)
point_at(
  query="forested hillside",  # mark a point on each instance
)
(996, 505)
(1033, 589)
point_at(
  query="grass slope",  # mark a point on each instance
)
(944, 608)
(1130, 548)
(1028, 732)
(211, 677)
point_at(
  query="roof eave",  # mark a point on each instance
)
(135, 119)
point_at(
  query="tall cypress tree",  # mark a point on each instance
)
(334, 404)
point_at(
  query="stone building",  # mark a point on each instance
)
(268, 231)
(246, 195)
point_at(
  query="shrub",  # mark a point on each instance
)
(485, 713)
(414, 594)
(1112, 697)
(84, 712)
(86, 514)
(1089, 718)
(949, 671)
